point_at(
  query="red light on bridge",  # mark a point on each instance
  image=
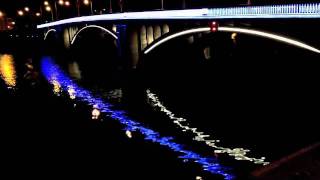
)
(213, 26)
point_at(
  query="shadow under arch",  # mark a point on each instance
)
(94, 53)
(93, 26)
(253, 32)
(52, 43)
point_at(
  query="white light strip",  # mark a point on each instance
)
(51, 30)
(270, 36)
(182, 123)
(239, 30)
(251, 12)
(179, 14)
(182, 33)
(93, 26)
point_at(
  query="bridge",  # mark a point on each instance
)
(139, 33)
(133, 36)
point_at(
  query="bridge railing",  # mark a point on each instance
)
(273, 10)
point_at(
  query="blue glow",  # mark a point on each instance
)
(53, 73)
(311, 10)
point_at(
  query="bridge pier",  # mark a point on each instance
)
(133, 47)
(135, 39)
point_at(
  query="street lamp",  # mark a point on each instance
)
(38, 14)
(27, 9)
(48, 9)
(85, 2)
(46, 3)
(20, 13)
(88, 2)
(67, 3)
(1, 14)
(61, 2)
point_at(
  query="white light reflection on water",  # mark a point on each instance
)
(129, 134)
(52, 72)
(71, 92)
(95, 112)
(182, 123)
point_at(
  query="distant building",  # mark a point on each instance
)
(6, 24)
(2, 24)
(10, 24)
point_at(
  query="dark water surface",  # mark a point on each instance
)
(254, 94)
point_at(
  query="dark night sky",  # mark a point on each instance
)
(11, 6)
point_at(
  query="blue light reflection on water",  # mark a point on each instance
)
(54, 74)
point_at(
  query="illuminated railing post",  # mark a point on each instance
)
(91, 7)
(162, 7)
(110, 6)
(78, 8)
(184, 4)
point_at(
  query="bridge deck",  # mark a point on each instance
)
(251, 12)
